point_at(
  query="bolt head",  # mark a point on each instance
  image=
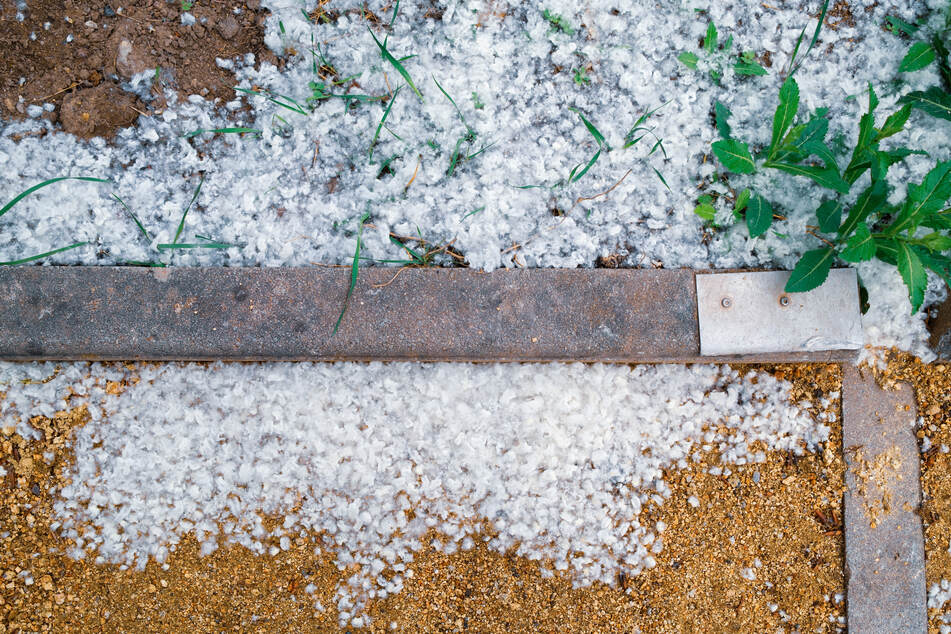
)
(726, 302)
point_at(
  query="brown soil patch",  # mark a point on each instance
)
(932, 385)
(106, 47)
(785, 513)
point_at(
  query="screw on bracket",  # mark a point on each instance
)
(726, 302)
(784, 300)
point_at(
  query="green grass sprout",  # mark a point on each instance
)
(40, 256)
(354, 271)
(386, 113)
(135, 218)
(793, 66)
(288, 103)
(45, 183)
(199, 131)
(181, 224)
(395, 63)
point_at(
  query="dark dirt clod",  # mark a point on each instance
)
(99, 111)
(228, 27)
(108, 44)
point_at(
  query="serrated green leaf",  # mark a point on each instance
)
(792, 137)
(913, 273)
(939, 220)
(785, 111)
(689, 60)
(759, 216)
(828, 177)
(829, 215)
(934, 190)
(941, 50)
(722, 116)
(879, 161)
(706, 211)
(923, 200)
(918, 56)
(821, 150)
(860, 247)
(710, 41)
(866, 131)
(886, 250)
(735, 156)
(897, 25)
(872, 99)
(749, 68)
(815, 130)
(935, 242)
(940, 264)
(811, 271)
(933, 101)
(741, 201)
(895, 123)
(867, 203)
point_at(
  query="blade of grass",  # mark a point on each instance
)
(661, 177)
(395, 63)
(354, 272)
(158, 265)
(591, 128)
(135, 218)
(193, 245)
(43, 255)
(815, 38)
(454, 158)
(386, 113)
(181, 225)
(480, 151)
(418, 259)
(574, 178)
(453, 102)
(30, 190)
(195, 133)
(386, 164)
(473, 212)
(291, 104)
(396, 10)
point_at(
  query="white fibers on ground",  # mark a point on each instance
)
(559, 460)
(295, 194)
(938, 596)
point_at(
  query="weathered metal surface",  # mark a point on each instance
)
(884, 540)
(940, 327)
(194, 313)
(750, 313)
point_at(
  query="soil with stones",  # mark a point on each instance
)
(75, 55)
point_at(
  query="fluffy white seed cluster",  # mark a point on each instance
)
(938, 595)
(559, 460)
(270, 197)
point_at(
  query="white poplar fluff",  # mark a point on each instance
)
(560, 460)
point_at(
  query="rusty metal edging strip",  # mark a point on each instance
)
(205, 313)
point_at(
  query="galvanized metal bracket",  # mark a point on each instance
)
(750, 313)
